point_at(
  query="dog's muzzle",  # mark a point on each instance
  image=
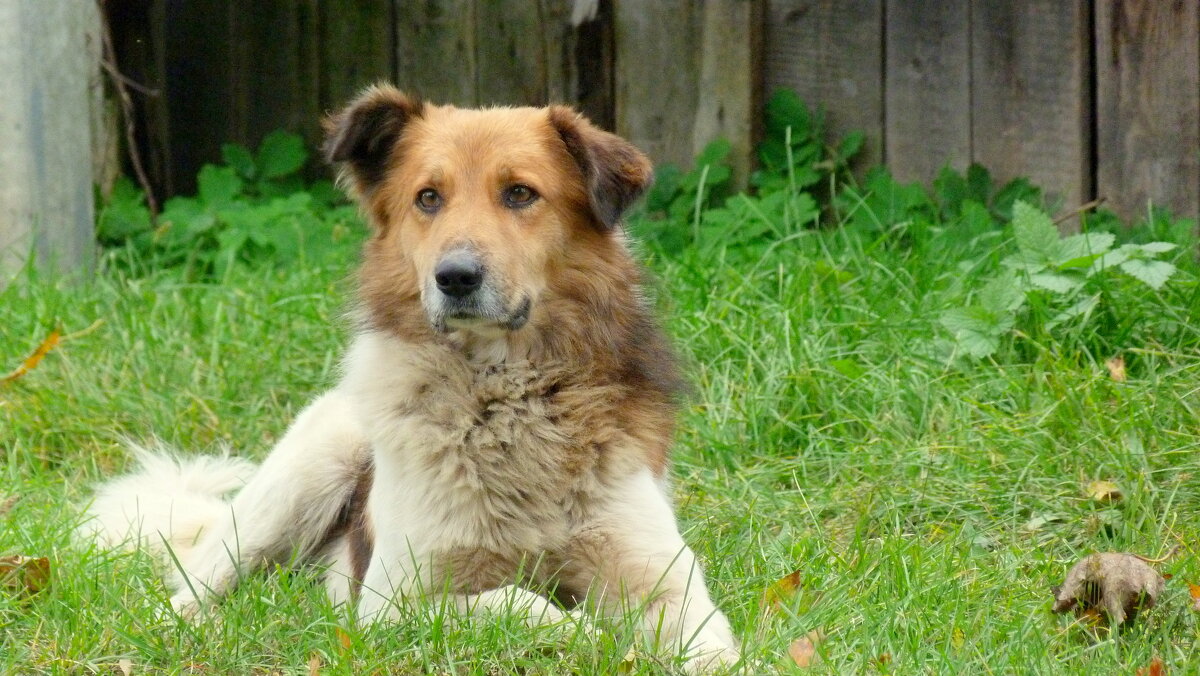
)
(464, 295)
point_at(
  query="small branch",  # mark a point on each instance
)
(1082, 208)
(122, 84)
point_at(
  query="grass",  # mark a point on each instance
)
(928, 502)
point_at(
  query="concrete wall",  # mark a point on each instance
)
(49, 79)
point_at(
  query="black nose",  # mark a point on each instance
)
(458, 274)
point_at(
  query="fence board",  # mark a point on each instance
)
(928, 88)
(657, 74)
(1148, 105)
(275, 71)
(435, 50)
(1031, 104)
(831, 53)
(588, 58)
(513, 53)
(730, 105)
(356, 48)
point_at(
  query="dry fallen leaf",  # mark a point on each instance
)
(1116, 368)
(24, 574)
(314, 665)
(781, 591)
(34, 359)
(803, 650)
(7, 503)
(126, 666)
(1194, 592)
(1103, 491)
(1117, 585)
(343, 639)
(1155, 668)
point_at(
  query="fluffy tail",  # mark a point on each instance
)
(168, 500)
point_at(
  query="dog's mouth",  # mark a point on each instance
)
(470, 314)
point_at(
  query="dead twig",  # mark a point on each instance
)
(1088, 206)
(122, 85)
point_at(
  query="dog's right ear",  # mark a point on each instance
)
(364, 134)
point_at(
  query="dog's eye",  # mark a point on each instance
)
(428, 200)
(519, 196)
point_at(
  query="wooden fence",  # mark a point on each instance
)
(1086, 97)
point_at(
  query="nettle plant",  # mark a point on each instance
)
(254, 209)
(1051, 282)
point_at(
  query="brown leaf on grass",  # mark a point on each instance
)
(6, 504)
(126, 666)
(24, 574)
(781, 591)
(1103, 491)
(1194, 592)
(343, 639)
(1155, 668)
(52, 341)
(1115, 585)
(34, 359)
(314, 665)
(803, 650)
(1116, 369)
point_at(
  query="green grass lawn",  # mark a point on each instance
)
(928, 500)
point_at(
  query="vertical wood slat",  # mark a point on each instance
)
(589, 55)
(512, 52)
(730, 100)
(435, 50)
(48, 54)
(657, 76)
(831, 53)
(356, 48)
(1148, 105)
(1031, 109)
(928, 88)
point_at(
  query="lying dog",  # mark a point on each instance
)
(507, 399)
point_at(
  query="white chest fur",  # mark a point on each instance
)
(502, 458)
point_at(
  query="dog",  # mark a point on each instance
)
(506, 407)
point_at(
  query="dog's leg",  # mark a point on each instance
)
(285, 510)
(635, 558)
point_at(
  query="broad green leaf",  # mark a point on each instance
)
(1153, 273)
(976, 329)
(218, 186)
(1075, 248)
(1055, 282)
(240, 159)
(280, 154)
(1158, 247)
(850, 146)
(785, 109)
(1034, 232)
(979, 183)
(1003, 293)
(714, 153)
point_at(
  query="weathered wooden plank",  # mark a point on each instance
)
(435, 50)
(356, 48)
(657, 76)
(514, 54)
(1031, 108)
(275, 70)
(48, 53)
(927, 101)
(1148, 105)
(198, 46)
(588, 66)
(730, 99)
(831, 53)
(137, 30)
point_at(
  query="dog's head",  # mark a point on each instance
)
(479, 214)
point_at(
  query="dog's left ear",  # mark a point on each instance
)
(363, 136)
(616, 172)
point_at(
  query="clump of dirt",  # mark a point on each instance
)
(1112, 585)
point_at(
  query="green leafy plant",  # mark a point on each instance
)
(1049, 282)
(255, 209)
